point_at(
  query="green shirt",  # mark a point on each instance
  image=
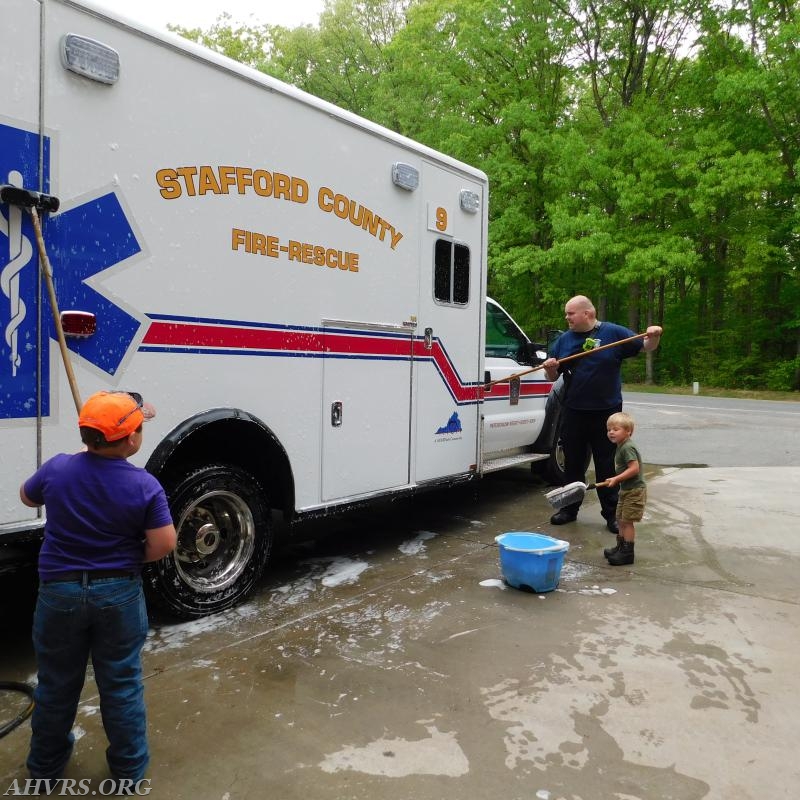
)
(625, 453)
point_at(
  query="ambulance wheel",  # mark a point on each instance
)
(552, 469)
(224, 538)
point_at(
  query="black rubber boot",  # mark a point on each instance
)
(623, 556)
(609, 551)
(567, 514)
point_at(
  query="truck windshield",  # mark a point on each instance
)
(503, 338)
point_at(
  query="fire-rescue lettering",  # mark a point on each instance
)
(346, 208)
(265, 245)
(226, 180)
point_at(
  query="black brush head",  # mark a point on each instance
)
(26, 198)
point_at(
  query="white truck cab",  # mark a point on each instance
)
(522, 415)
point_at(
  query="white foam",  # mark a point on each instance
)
(342, 571)
(417, 545)
(440, 754)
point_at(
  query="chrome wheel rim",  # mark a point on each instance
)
(216, 538)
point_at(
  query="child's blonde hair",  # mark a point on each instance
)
(621, 420)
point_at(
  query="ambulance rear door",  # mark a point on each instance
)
(24, 156)
(449, 346)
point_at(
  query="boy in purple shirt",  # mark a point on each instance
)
(105, 518)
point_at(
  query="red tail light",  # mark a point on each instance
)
(78, 324)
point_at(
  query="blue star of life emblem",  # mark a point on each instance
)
(80, 242)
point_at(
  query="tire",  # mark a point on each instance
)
(552, 470)
(224, 539)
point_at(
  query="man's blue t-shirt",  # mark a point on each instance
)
(97, 512)
(594, 382)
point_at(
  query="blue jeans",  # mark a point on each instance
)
(106, 619)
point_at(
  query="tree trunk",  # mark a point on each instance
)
(648, 367)
(796, 383)
(634, 301)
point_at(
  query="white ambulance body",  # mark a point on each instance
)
(299, 292)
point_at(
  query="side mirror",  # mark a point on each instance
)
(532, 354)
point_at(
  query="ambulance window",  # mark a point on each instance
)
(503, 338)
(461, 274)
(451, 272)
(441, 270)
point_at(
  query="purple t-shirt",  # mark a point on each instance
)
(97, 512)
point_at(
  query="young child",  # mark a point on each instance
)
(633, 490)
(105, 517)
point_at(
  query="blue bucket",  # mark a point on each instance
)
(531, 561)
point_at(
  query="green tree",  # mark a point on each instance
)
(744, 146)
(248, 44)
(342, 60)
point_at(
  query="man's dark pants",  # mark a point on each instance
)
(582, 431)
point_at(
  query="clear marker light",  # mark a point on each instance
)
(405, 176)
(469, 201)
(90, 58)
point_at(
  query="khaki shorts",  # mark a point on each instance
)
(631, 503)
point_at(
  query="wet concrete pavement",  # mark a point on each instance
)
(386, 660)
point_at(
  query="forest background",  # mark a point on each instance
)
(645, 154)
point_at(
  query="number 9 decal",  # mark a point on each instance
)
(441, 219)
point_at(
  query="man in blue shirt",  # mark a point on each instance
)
(594, 392)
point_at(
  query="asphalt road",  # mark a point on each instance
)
(693, 430)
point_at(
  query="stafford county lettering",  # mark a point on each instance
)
(203, 180)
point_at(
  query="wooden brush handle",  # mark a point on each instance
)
(564, 360)
(584, 353)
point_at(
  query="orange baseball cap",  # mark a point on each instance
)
(115, 414)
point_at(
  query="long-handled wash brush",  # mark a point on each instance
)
(571, 493)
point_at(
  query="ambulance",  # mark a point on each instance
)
(299, 292)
